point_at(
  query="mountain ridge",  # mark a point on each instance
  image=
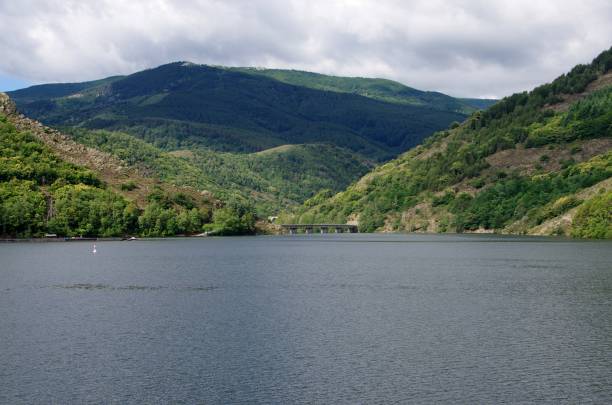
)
(290, 76)
(229, 130)
(376, 88)
(226, 109)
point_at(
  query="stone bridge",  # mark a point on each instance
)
(322, 228)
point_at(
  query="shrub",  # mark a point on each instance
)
(594, 218)
(575, 149)
(236, 218)
(443, 199)
(129, 186)
(477, 182)
(556, 208)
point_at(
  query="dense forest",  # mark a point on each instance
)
(525, 165)
(379, 89)
(242, 135)
(272, 179)
(182, 105)
(529, 158)
(42, 194)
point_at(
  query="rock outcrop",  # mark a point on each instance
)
(7, 106)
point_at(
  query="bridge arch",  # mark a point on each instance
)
(293, 229)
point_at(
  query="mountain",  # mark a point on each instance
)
(181, 105)
(59, 90)
(478, 103)
(51, 184)
(378, 89)
(537, 162)
(237, 132)
(271, 179)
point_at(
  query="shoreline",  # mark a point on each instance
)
(56, 240)
(127, 239)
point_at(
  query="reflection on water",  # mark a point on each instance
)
(88, 286)
(307, 319)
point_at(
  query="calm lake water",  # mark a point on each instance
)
(307, 319)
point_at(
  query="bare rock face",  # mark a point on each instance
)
(7, 106)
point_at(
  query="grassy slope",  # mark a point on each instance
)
(521, 163)
(183, 105)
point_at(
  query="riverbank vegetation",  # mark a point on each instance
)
(40, 194)
(536, 162)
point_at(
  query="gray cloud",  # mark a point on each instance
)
(463, 47)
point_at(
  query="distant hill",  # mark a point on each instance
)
(537, 162)
(59, 90)
(270, 180)
(379, 89)
(179, 105)
(478, 103)
(239, 132)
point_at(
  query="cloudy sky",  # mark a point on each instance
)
(475, 48)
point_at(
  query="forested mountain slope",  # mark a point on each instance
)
(380, 89)
(537, 162)
(51, 184)
(180, 105)
(270, 180)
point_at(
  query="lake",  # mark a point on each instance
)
(351, 318)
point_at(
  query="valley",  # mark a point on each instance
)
(253, 143)
(233, 134)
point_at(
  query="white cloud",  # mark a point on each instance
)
(462, 47)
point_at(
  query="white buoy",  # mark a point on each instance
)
(94, 250)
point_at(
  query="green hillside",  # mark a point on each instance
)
(40, 193)
(237, 134)
(272, 179)
(380, 89)
(182, 105)
(58, 90)
(537, 162)
(478, 103)
(51, 184)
